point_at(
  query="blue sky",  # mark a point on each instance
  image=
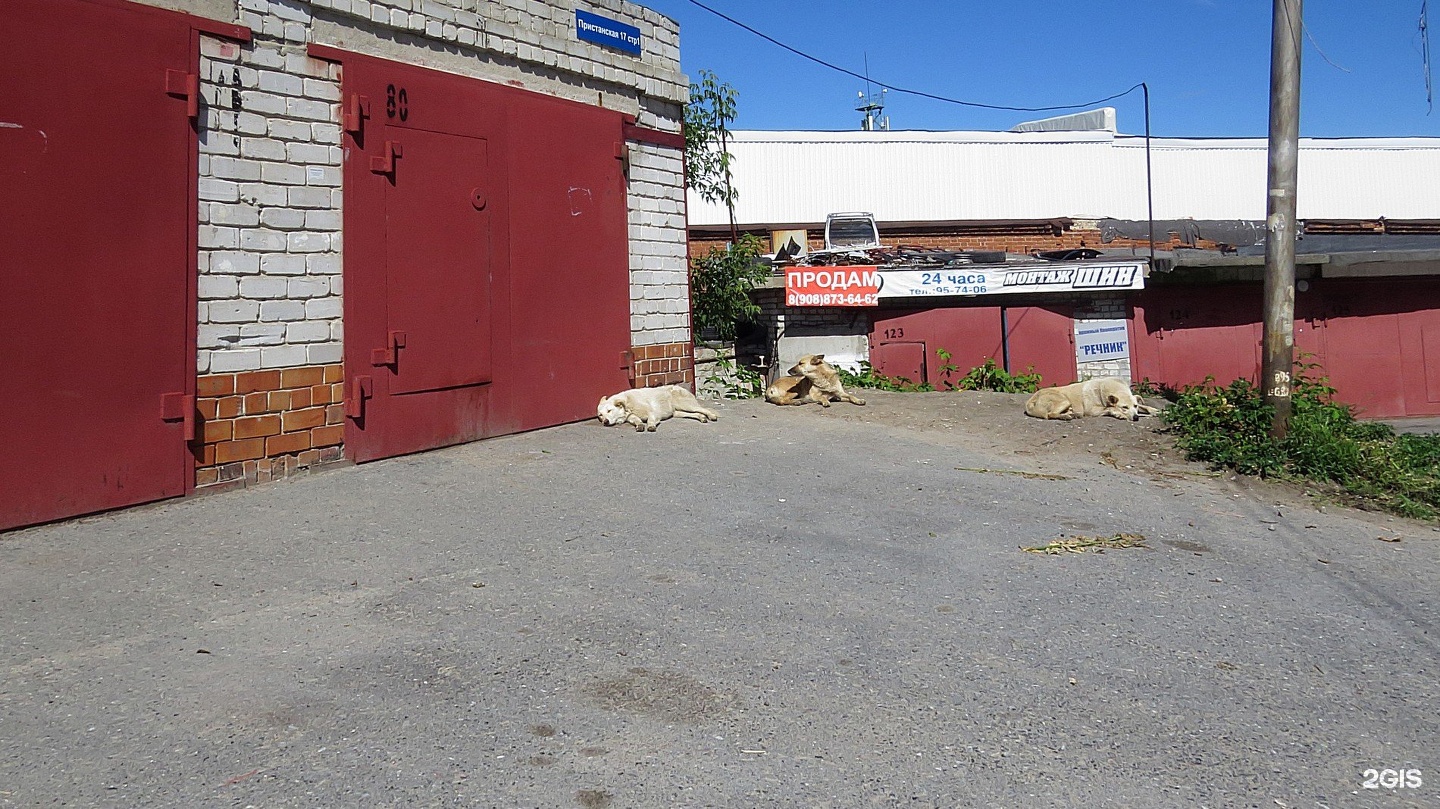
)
(1207, 62)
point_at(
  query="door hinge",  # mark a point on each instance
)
(390, 353)
(187, 86)
(385, 164)
(179, 407)
(357, 109)
(361, 388)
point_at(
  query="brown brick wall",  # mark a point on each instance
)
(258, 426)
(974, 237)
(667, 364)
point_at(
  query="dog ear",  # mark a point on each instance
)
(1112, 399)
(819, 358)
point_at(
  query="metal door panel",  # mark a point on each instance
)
(1192, 332)
(904, 361)
(970, 333)
(437, 264)
(97, 223)
(1042, 338)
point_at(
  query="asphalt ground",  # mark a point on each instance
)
(787, 608)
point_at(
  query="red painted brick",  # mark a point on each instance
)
(300, 398)
(335, 414)
(257, 427)
(229, 407)
(334, 373)
(320, 394)
(220, 385)
(206, 477)
(278, 400)
(216, 431)
(208, 408)
(304, 419)
(289, 442)
(251, 381)
(327, 436)
(256, 403)
(239, 450)
(301, 377)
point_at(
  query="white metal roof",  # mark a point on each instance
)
(912, 176)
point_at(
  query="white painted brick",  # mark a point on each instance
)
(310, 109)
(282, 174)
(297, 32)
(325, 133)
(323, 264)
(219, 190)
(281, 83)
(211, 287)
(309, 197)
(322, 220)
(262, 240)
(282, 218)
(280, 264)
(291, 130)
(263, 103)
(328, 176)
(232, 311)
(282, 310)
(234, 215)
(282, 357)
(322, 308)
(309, 153)
(230, 168)
(304, 242)
(249, 123)
(212, 237)
(307, 332)
(337, 331)
(261, 194)
(234, 263)
(324, 354)
(239, 359)
(263, 287)
(300, 288)
(262, 334)
(290, 10)
(216, 336)
(321, 90)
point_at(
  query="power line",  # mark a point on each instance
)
(898, 89)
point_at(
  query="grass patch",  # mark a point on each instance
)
(986, 376)
(1229, 428)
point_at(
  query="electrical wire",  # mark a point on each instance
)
(897, 89)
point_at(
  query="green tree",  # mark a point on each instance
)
(721, 280)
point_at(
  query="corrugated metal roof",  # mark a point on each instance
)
(911, 176)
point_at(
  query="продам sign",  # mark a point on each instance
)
(832, 286)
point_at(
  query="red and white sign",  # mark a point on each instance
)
(832, 286)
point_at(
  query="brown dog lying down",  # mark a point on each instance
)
(1104, 396)
(812, 380)
(645, 408)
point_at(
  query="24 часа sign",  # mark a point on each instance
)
(966, 281)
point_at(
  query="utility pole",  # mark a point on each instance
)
(1279, 339)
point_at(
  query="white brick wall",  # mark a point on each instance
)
(270, 167)
(659, 274)
(270, 200)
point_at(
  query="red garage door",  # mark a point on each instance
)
(905, 342)
(486, 263)
(97, 166)
(1186, 333)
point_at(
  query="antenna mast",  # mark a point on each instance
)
(872, 104)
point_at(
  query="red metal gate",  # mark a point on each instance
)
(97, 223)
(486, 261)
(1185, 333)
(904, 342)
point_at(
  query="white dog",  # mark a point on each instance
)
(1104, 396)
(644, 408)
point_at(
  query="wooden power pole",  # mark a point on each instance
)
(1279, 339)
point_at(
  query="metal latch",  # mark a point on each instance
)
(187, 86)
(179, 407)
(385, 164)
(389, 354)
(361, 388)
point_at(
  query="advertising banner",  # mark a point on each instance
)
(831, 286)
(1049, 277)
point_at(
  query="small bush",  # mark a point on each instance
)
(1229, 427)
(990, 376)
(868, 377)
